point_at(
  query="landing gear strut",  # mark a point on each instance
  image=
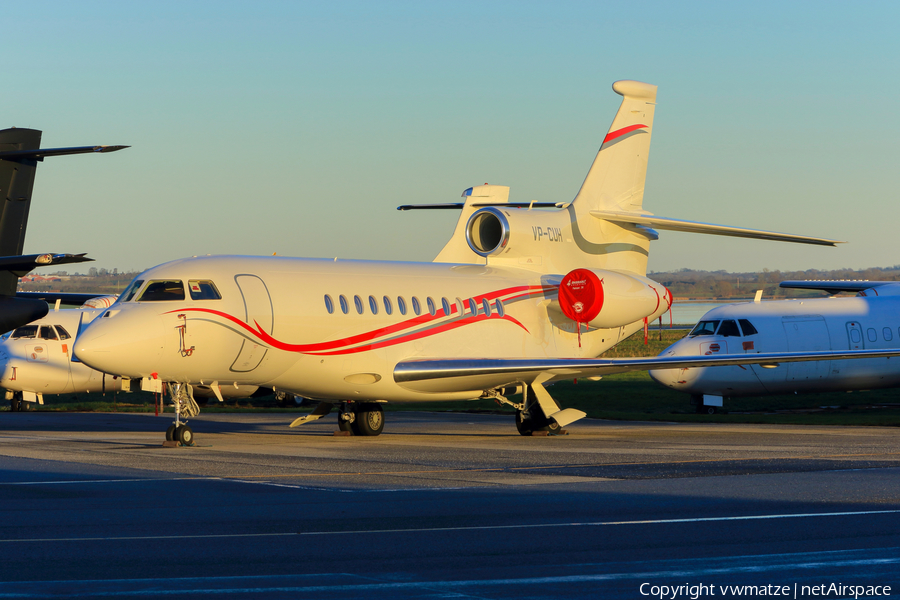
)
(185, 405)
(363, 418)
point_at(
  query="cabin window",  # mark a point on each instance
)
(373, 305)
(887, 333)
(431, 308)
(388, 308)
(401, 305)
(329, 304)
(459, 306)
(729, 329)
(870, 333)
(473, 307)
(747, 327)
(345, 306)
(445, 304)
(854, 336)
(163, 290)
(500, 310)
(131, 290)
(486, 306)
(417, 308)
(359, 305)
(203, 289)
(63, 334)
(704, 328)
(26, 331)
(47, 333)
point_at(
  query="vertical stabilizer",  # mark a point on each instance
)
(616, 178)
(16, 184)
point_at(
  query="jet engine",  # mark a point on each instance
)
(609, 299)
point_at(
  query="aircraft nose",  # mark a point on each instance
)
(677, 379)
(126, 342)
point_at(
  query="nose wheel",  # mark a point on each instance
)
(181, 434)
(185, 405)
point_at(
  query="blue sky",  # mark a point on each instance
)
(297, 128)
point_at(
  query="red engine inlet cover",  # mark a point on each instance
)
(581, 295)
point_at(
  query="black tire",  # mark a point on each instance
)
(369, 419)
(710, 410)
(170, 433)
(14, 405)
(523, 425)
(185, 435)
(553, 427)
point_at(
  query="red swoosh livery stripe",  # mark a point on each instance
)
(620, 132)
(357, 343)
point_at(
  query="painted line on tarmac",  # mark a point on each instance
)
(298, 584)
(450, 529)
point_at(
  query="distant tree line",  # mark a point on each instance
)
(684, 283)
(690, 284)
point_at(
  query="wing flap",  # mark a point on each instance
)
(708, 228)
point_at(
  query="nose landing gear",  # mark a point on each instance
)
(185, 405)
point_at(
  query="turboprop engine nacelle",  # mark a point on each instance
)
(609, 299)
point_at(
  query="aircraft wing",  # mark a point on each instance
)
(710, 228)
(71, 298)
(833, 287)
(437, 375)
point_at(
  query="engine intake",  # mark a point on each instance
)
(487, 232)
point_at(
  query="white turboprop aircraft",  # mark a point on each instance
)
(522, 295)
(869, 320)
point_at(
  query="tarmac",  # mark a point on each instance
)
(441, 505)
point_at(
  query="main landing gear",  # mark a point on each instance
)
(185, 406)
(538, 413)
(361, 418)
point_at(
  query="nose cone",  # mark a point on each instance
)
(126, 343)
(677, 379)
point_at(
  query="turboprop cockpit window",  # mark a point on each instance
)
(203, 289)
(26, 331)
(747, 327)
(704, 328)
(47, 333)
(163, 290)
(729, 329)
(131, 290)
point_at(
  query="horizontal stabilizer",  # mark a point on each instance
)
(834, 287)
(464, 375)
(27, 262)
(460, 205)
(708, 228)
(41, 153)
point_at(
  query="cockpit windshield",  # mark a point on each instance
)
(26, 331)
(163, 290)
(131, 290)
(704, 328)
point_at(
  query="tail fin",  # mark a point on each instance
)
(616, 178)
(16, 183)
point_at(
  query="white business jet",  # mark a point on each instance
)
(869, 320)
(522, 295)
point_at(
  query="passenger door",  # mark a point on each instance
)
(257, 310)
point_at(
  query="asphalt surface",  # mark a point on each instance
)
(443, 506)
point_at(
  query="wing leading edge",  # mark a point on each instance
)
(475, 374)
